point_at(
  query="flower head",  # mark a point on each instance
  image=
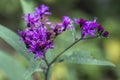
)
(40, 33)
(42, 10)
(36, 40)
(105, 34)
(100, 29)
(80, 21)
(57, 28)
(37, 36)
(66, 22)
(89, 27)
(31, 19)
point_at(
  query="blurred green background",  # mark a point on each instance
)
(108, 14)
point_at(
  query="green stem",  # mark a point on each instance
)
(49, 64)
(69, 48)
(47, 73)
(64, 51)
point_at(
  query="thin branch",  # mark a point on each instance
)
(47, 72)
(47, 69)
(46, 60)
(49, 64)
(69, 48)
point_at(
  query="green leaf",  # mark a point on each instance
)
(14, 40)
(35, 65)
(27, 6)
(12, 69)
(86, 58)
(49, 55)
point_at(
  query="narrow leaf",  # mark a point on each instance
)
(14, 40)
(86, 58)
(49, 56)
(12, 69)
(27, 6)
(35, 65)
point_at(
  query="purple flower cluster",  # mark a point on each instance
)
(40, 33)
(91, 28)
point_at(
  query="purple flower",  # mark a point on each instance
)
(66, 22)
(42, 10)
(100, 30)
(36, 40)
(80, 21)
(40, 33)
(89, 28)
(37, 37)
(105, 34)
(31, 19)
(57, 28)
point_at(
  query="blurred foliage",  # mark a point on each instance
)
(12, 72)
(8, 7)
(107, 12)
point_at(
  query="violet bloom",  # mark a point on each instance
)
(87, 27)
(42, 10)
(66, 22)
(80, 21)
(57, 28)
(37, 37)
(105, 34)
(36, 40)
(91, 28)
(100, 30)
(31, 19)
(40, 33)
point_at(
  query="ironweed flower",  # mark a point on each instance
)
(36, 40)
(31, 19)
(105, 34)
(66, 22)
(40, 33)
(42, 10)
(57, 28)
(90, 28)
(36, 36)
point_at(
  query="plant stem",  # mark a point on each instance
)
(64, 51)
(47, 69)
(69, 48)
(49, 64)
(47, 72)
